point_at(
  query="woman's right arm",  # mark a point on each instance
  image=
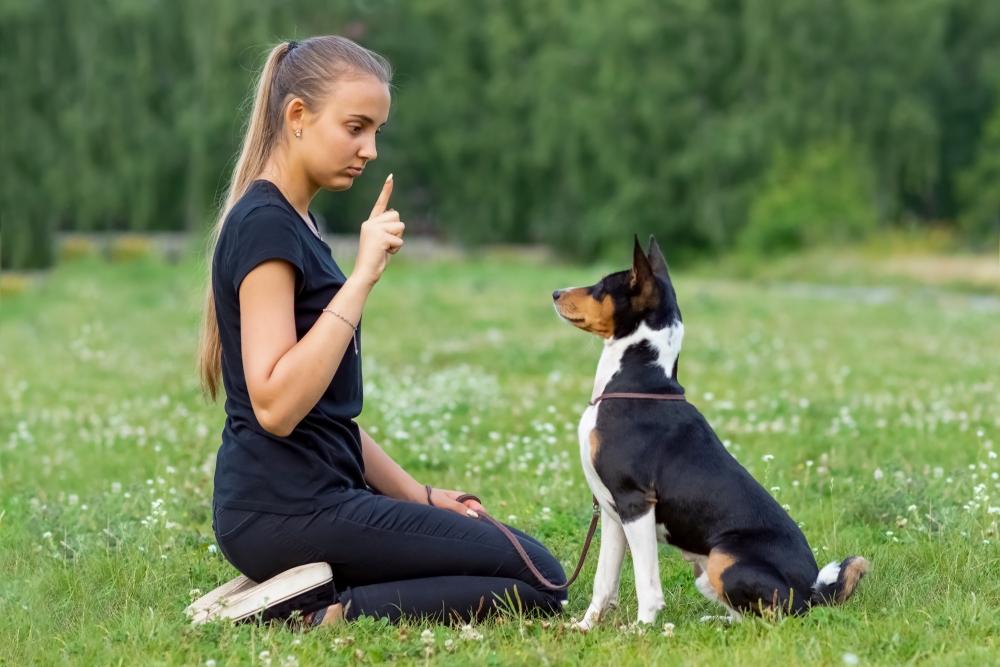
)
(285, 377)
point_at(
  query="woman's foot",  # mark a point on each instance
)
(332, 614)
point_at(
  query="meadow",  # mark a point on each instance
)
(873, 415)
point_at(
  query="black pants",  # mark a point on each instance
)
(392, 558)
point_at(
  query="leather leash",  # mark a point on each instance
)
(524, 554)
(593, 520)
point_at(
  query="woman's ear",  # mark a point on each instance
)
(295, 114)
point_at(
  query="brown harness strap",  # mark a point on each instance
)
(626, 394)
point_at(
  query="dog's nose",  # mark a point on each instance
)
(556, 294)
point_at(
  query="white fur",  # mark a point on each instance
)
(607, 580)
(828, 575)
(641, 536)
(666, 341)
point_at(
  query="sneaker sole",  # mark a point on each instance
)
(218, 595)
(305, 588)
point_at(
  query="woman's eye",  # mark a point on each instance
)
(355, 128)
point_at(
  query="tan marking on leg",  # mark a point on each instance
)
(718, 563)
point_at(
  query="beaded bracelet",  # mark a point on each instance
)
(348, 323)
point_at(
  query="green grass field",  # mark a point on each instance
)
(873, 415)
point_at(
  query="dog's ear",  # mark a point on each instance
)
(656, 259)
(641, 269)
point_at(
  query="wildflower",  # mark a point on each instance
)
(212, 548)
(427, 637)
(850, 659)
(668, 630)
(470, 633)
(767, 458)
(879, 474)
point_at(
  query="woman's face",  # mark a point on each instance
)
(338, 142)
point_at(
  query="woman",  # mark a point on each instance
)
(297, 480)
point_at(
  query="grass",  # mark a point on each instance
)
(875, 421)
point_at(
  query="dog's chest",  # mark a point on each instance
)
(588, 421)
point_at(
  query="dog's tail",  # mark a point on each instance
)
(836, 581)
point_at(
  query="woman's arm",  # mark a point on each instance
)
(285, 377)
(382, 472)
(390, 479)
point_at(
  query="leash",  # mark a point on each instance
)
(596, 510)
(593, 520)
(524, 554)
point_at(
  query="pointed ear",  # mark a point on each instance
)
(641, 269)
(656, 259)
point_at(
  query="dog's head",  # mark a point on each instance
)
(615, 306)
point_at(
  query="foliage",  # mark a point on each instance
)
(821, 195)
(569, 122)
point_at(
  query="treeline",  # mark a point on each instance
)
(712, 123)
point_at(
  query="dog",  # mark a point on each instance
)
(660, 473)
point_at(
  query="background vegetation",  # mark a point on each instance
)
(716, 124)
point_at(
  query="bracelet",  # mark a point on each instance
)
(428, 487)
(348, 323)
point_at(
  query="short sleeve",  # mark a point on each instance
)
(267, 232)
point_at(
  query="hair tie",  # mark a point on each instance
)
(291, 45)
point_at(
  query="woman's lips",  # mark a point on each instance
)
(354, 171)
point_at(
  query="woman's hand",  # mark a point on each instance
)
(381, 236)
(446, 499)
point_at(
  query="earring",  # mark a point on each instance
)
(298, 134)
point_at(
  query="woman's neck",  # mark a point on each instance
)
(297, 188)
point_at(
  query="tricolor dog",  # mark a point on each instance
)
(660, 473)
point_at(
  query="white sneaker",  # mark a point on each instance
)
(306, 588)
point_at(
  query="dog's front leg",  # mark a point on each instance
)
(641, 536)
(609, 568)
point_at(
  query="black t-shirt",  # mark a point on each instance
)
(256, 470)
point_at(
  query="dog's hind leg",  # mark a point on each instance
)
(609, 567)
(641, 536)
(753, 587)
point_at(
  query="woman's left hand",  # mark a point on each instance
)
(447, 499)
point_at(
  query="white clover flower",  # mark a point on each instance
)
(470, 633)
(879, 475)
(767, 458)
(668, 630)
(427, 637)
(850, 659)
(212, 548)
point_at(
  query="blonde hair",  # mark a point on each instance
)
(306, 69)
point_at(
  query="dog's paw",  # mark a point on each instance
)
(588, 622)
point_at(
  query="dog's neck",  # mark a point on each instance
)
(643, 361)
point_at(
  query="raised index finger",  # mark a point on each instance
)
(383, 198)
